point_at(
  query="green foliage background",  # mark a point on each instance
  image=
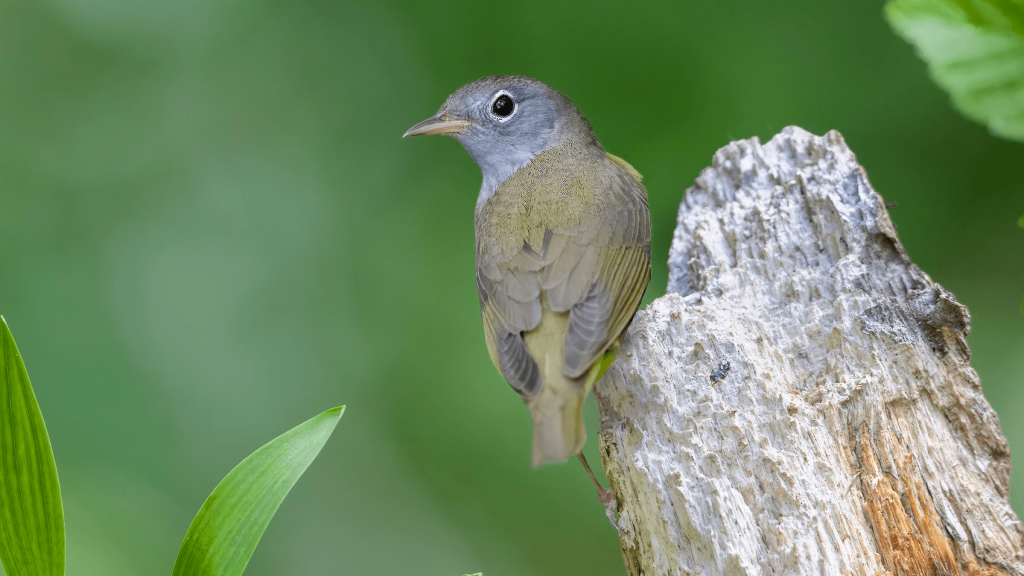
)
(210, 228)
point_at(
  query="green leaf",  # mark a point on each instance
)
(975, 51)
(224, 533)
(31, 515)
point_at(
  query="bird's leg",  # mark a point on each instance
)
(605, 495)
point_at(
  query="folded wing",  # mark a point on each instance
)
(596, 272)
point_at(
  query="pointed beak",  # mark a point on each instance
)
(438, 124)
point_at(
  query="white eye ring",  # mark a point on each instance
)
(490, 107)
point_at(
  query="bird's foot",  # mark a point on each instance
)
(605, 495)
(611, 505)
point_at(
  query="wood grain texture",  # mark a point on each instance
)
(802, 400)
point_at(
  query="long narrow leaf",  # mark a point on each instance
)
(31, 515)
(224, 533)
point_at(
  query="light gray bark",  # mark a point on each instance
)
(801, 401)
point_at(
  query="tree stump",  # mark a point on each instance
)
(801, 401)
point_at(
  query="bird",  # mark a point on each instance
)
(563, 250)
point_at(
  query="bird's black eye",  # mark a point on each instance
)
(503, 106)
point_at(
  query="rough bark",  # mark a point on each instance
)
(801, 401)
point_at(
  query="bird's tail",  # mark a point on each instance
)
(557, 414)
(557, 410)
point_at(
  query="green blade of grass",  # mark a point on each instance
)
(31, 515)
(224, 534)
(975, 51)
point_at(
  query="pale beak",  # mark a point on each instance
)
(439, 124)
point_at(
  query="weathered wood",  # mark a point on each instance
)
(802, 402)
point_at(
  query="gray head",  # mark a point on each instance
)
(504, 121)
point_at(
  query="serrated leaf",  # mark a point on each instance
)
(31, 515)
(975, 51)
(224, 534)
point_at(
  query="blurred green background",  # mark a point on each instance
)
(211, 230)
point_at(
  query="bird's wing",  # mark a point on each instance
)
(596, 271)
(510, 305)
(600, 273)
(596, 321)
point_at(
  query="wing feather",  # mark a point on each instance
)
(606, 308)
(505, 319)
(565, 290)
(596, 321)
(596, 270)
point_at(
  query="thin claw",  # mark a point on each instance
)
(605, 495)
(611, 504)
